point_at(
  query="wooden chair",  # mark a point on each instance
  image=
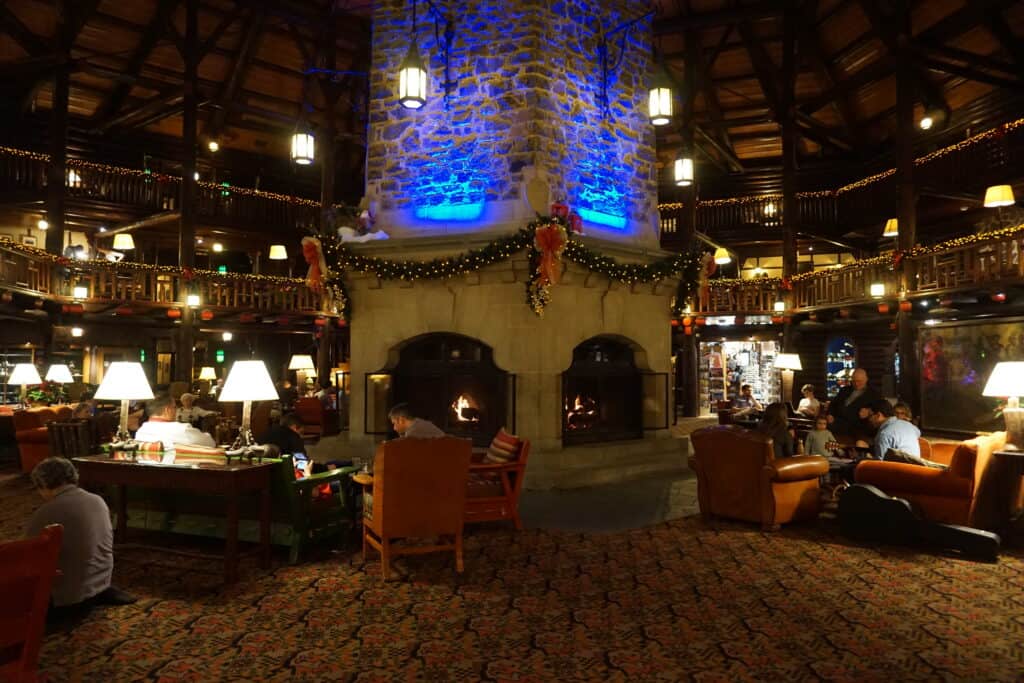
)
(316, 519)
(418, 490)
(70, 439)
(27, 570)
(492, 491)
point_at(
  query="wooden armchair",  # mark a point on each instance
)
(492, 491)
(318, 513)
(27, 570)
(418, 491)
(739, 477)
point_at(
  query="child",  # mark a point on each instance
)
(817, 440)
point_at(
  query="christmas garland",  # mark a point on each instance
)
(538, 289)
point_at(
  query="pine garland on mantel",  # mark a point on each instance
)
(341, 258)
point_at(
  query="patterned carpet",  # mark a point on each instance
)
(680, 601)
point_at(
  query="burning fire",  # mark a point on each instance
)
(582, 414)
(464, 410)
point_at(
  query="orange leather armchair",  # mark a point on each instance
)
(418, 490)
(965, 494)
(738, 477)
(317, 421)
(31, 435)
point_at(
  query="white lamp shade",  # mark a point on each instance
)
(248, 380)
(278, 253)
(892, 228)
(123, 241)
(999, 195)
(303, 148)
(125, 380)
(59, 373)
(779, 307)
(877, 289)
(208, 373)
(24, 373)
(1007, 379)
(80, 292)
(722, 256)
(192, 300)
(788, 361)
(683, 171)
(301, 362)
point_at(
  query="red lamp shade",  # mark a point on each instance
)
(741, 320)
(906, 306)
(674, 322)
(342, 322)
(320, 322)
(883, 308)
(777, 320)
(173, 313)
(688, 331)
(206, 315)
(687, 321)
(560, 210)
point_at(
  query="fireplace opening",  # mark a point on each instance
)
(602, 394)
(452, 381)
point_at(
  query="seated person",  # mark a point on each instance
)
(775, 423)
(896, 440)
(409, 426)
(809, 406)
(286, 435)
(86, 558)
(820, 439)
(903, 411)
(161, 426)
(86, 407)
(189, 412)
(745, 403)
(287, 393)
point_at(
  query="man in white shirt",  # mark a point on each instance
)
(161, 426)
(189, 412)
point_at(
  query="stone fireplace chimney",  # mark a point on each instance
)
(523, 125)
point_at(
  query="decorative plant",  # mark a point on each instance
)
(47, 392)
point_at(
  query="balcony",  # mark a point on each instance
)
(144, 288)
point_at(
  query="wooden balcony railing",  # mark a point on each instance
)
(35, 271)
(995, 260)
(22, 171)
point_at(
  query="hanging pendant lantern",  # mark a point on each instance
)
(684, 171)
(660, 100)
(412, 79)
(303, 148)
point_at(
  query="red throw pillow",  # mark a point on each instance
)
(504, 448)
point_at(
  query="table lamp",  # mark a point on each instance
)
(248, 381)
(1007, 379)
(124, 381)
(208, 374)
(59, 373)
(24, 374)
(303, 365)
(787, 363)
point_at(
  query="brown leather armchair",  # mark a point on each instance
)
(738, 477)
(418, 490)
(316, 420)
(31, 435)
(965, 494)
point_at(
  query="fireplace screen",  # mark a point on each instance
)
(450, 380)
(602, 397)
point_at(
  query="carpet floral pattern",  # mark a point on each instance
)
(683, 600)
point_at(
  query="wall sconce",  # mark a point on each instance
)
(227, 336)
(683, 171)
(877, 290)
(213, 146)
(80, 292)
(609, 66)
(659, 105)
(43, 224)
(780, 307)
(74, 178)
(412, 74)
(303, 148)
(892, 228)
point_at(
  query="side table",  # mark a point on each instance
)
(1011, 469)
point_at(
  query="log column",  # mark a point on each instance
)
(56, 170)
(184, 357)
(324, 352)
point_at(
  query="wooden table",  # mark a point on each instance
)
(230, 481)
(1011, 471)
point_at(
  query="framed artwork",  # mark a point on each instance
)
(28, 240)
(956, 361)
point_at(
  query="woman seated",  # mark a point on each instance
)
(775, 423)
(809, 406)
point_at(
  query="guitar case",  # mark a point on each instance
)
(868, 514)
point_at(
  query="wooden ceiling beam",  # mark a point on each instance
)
(169, 97)
(812, 49)
(997, 25)
(248, 45)
(968, 73)
(210, 42)
(150, 36)
(734, 15)
(22, 35)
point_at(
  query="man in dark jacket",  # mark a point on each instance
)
(849, 410)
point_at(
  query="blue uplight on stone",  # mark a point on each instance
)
(451, 212)
(591, 216)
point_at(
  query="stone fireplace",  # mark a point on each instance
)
(523, 126)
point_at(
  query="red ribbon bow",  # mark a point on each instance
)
(550, 241)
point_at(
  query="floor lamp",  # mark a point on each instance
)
(787, 363)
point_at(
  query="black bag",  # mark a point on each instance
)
(868, 514)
